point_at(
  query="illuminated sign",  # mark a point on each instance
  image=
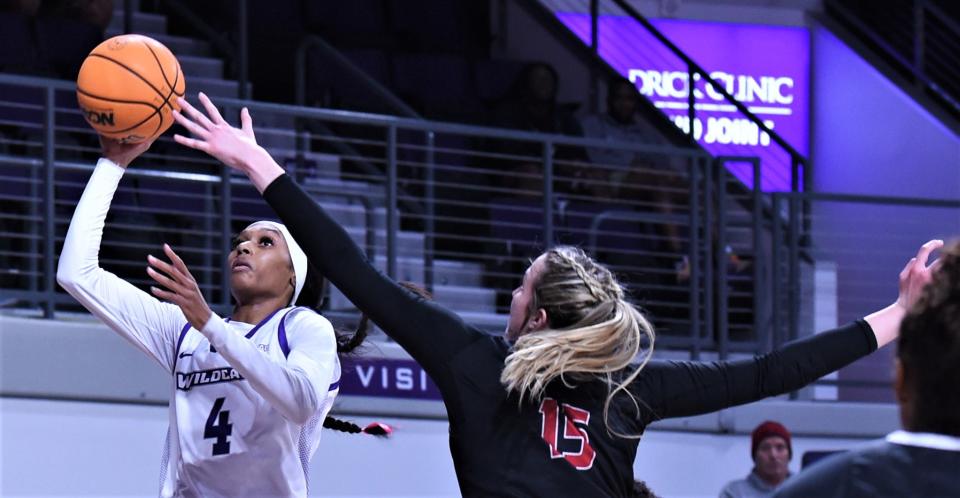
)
(385, 377)
(764, 67)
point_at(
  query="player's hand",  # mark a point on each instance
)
(213, 135)
(121, 153)
(917, 274)
(182, 288)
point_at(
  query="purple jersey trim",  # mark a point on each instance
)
(183, 333)
(282, 334)
(265, 320)
(335, 385)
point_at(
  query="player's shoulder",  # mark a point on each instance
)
(829, 477)
(303, 318)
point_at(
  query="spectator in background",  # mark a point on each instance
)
(771, 451)
(516, 170)
(618, 124)
(531, 105)
(922, 459)
(628, 175)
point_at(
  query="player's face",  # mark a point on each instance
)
(518, 324)
(259, 265)
(771, 458)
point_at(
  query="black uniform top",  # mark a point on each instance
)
(558, 446)
(882, 469)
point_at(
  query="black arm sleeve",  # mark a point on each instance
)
(430, 333)
(684, 388)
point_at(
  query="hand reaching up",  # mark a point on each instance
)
(916, 275)
(235, 147)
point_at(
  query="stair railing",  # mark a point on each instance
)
(695, 71)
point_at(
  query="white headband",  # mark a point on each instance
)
(297, 255)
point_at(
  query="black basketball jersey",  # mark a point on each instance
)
(558, 445)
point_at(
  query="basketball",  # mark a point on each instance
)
(128, 86)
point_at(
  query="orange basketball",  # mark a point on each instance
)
(128, 86)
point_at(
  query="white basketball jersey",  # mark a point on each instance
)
(230, 440)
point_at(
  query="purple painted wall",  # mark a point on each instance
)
(869, 137)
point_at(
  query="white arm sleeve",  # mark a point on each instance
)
(296, 388)
(150, 325)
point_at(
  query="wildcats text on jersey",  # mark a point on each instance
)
(189, 380)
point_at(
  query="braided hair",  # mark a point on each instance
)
(314, 293)
(592, 332)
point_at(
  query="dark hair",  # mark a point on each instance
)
(347, 344)
(375, 429)
(618, 81)
(520, 89)
(313, 294)
(929, 350)
(640, 490)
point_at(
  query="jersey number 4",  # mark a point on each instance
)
(565, 430)
(219, 427)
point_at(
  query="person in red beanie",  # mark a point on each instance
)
(771, 452)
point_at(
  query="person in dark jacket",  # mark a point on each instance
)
(556, 407)
(923, 458)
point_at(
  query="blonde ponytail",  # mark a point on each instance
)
(593, 331)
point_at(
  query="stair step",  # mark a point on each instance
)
(275, 139)
(460, 299)
(353, 215)
(212, 87)
(457, 298)
(409, 244)
(201, 67)
(455, 273)
(462, 273)
(317, 164)
(372, 191)
(179, 45)
(143, 23)
(488, 321)
(267, 119)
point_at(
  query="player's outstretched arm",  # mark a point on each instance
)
(150, 325)
(430, 333)
(691, 388)
(296, 388)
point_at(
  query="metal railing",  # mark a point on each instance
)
(716, 266)
(695, 74)
(490, 198)
(917, 37)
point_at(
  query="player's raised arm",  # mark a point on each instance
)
(430, 333)
(691, 388)
(140, 318)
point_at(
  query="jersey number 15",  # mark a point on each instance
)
(565, 430)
